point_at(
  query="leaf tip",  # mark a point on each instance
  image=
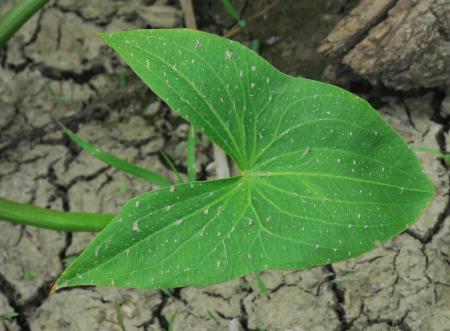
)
(65, 129)
(105, 36)
(61, 125)
(101, 35)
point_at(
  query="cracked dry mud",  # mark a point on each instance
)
(55, 68)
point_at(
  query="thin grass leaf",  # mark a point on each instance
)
(172, 322)
(17, 16)
(433, 151)
(213, 316)
(255, 45)
(172, 167)
(167, 292)
(7, 316)
(262, 287)
(119, 316)
(122, 80)
(115, 161)
(231, 9)
(191, 155)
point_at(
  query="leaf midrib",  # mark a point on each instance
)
(246, 177)
(237, 150)
(222, 83)
(231, 187)
(226, 197)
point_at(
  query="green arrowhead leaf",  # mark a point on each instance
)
(323, 179)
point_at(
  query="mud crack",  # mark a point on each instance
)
(339, 299)
(26, 309)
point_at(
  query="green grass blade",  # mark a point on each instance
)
(262, 287)
(173, 168)
(172, 322)
(231, 9)
(213, 316)
(119, 316)
(433, 151)
(255, 45)
(18, 16)
(7, 316)
(192, 175)
(116, 162)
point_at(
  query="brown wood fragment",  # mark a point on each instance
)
(403, 44)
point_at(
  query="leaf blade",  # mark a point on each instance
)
(324, 178)
(162, 202)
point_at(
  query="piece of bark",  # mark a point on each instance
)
(402, 44)
(353, 28)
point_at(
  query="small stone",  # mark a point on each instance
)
(182, 131)
(161, 16)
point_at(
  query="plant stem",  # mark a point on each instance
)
(45, 218)
(18, 16)
(192, 175)
(189, 16)
(236, 29)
